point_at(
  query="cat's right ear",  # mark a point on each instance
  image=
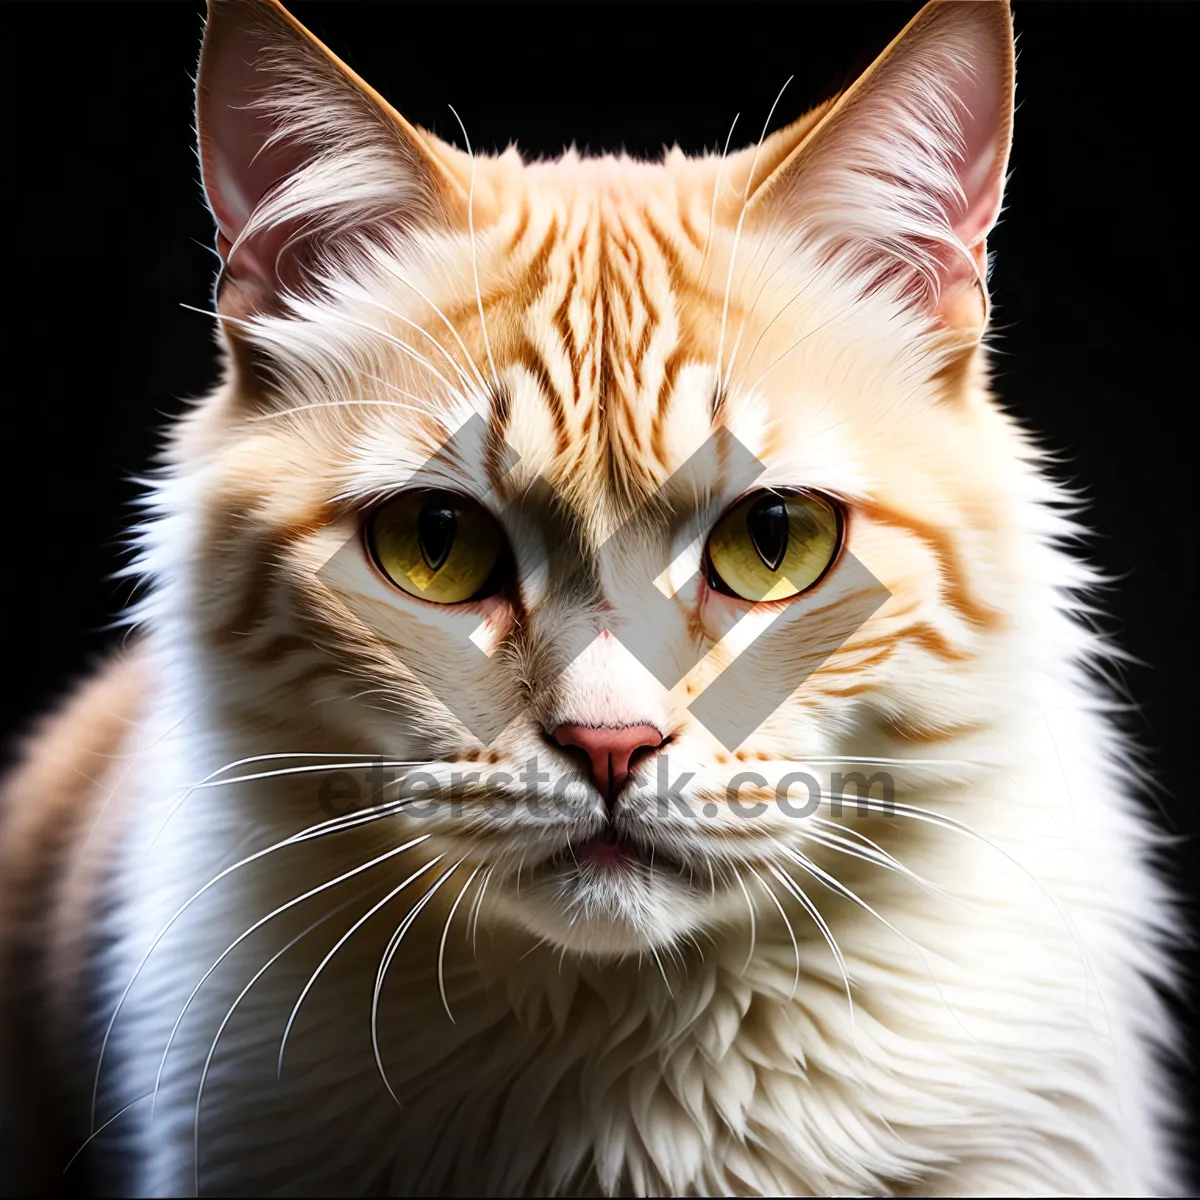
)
(298, 155)
(901, 178)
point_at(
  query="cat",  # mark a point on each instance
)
(530, 488)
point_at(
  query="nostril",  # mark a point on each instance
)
(578, 753)
(641, 753)
(609, 750)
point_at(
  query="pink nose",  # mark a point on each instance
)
(609, 749)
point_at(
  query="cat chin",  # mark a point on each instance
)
(607, 915)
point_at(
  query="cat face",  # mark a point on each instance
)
(604, 494)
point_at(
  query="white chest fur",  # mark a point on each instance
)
(996, 1039)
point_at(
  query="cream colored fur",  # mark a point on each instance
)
(958, 997)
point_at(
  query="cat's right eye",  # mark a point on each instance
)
(438, 546)
(773, 545)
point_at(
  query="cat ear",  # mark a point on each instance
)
(903, 176)
(297, 153)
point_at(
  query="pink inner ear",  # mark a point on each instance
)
(984, 129)
(274, 108)
(239, 166)
(907, 169)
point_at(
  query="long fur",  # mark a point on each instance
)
(952, 991)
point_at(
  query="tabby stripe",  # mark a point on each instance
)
(653, 320)
(536, 274)
(665, 391)
(527, 354)
(909, 731)
(691, 232)
(562, 322)
(952, 570)
(522, 226)
(493, 452)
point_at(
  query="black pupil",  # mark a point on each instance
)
(436, 527)
(767, 522)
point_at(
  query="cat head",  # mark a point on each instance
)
(603, 493)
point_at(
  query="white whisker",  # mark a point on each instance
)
(133, 760)
(391, 312)
(407, 349)
(322, 829)
(322, 887)
(307, 770)
(661, 970)
(753, 920)
(712, 213)
(840, 889)
(798, 893)
(386, 961)
(487, 345)
(212, 775)
(449, 325)
(441, 958)
(312, 979)
(941, 821)
(91, 1137)
(871, 854)
(476, 908)
(229, 1016)
(737, 237)
(791, 932)
(298, 408)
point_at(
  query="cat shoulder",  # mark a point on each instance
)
(54, 855)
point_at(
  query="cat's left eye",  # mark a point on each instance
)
(439, 546)
(773, 545)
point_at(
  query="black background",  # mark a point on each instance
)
(106, 237)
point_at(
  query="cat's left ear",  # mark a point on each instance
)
(903, 176)
(298, 153)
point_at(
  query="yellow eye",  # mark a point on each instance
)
(439, 546)
(773, 546)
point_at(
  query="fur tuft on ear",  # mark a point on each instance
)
(297, 153)
(903, 176)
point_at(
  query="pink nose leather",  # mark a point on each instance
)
(609, 749)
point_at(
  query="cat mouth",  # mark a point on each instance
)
(612, 851)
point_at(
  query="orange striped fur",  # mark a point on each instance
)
(876, 1001)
